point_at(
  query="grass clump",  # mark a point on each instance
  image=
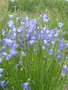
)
(32, 55)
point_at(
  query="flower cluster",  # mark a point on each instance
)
(24, 33)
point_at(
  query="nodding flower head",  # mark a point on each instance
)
(50, 52)
(25, 86)
(44, 16)
(60, 24)
(10, 16)
(8, 42)
(17, 19)
(64, 70)
(13, 52)
(61, 44)
(20, 28)
(3, 83)
(10, 23)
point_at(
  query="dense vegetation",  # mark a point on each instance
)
(33, 45)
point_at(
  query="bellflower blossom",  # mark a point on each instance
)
(53, 43)
(25, 86)
(14, 46)
(26, 21)
(44, 17)
(4, 54)
(60, 24)
(11, 16)
(10, 23)
(61, 44)
(17, 19)
(3, 83)
(50, 52)
(13, 52)
(8, 42)
(46, 43)
(20, 28)
(46, 20)
(8, 57)
(64, 70)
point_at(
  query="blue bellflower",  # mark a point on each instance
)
(60, 24)
(50, 52)
(3, 83)
(20, 28)
(64, 70)
(25, 86)
(10, 16)
(10, 23)
(61, 44)
(8, 42)
(13, 52)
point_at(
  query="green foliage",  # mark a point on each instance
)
(43, 74)
(3, 12)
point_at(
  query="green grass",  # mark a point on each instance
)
(43, 74)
